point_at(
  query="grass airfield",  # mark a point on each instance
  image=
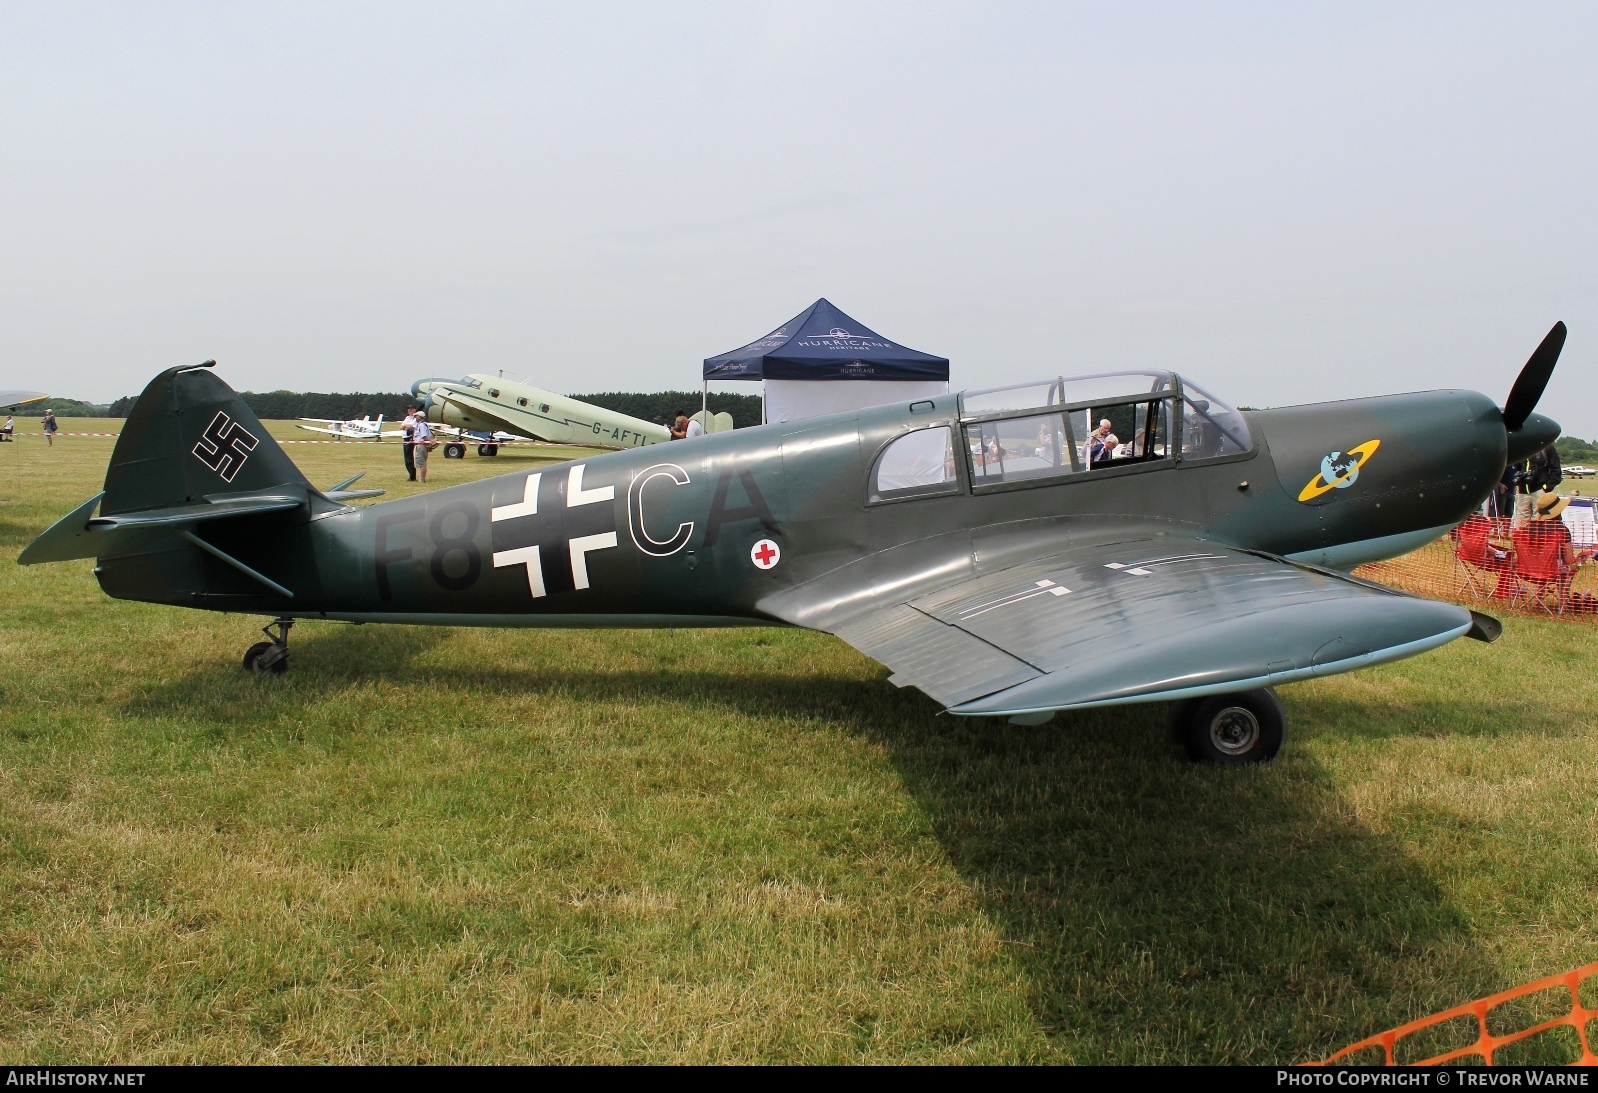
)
(432, 845)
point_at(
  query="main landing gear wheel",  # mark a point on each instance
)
(1234, 729)
(270, 657)
(454, 451)
(488, 449)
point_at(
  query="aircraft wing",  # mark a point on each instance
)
(1139, 621)
(21, 398)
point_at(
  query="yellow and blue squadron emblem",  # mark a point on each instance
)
(1339, 470)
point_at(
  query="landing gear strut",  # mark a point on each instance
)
(1234, 729)
(272, 657)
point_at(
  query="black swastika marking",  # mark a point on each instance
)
(224, 446)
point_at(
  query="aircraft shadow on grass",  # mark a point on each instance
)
(1158, 909)
(14, 533)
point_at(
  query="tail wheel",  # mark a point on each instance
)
(1234, 729)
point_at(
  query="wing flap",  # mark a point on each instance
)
(944, 661)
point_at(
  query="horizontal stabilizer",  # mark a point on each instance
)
(81, 534)
(342, 491)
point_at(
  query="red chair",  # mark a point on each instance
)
(1537, 568)
(1474, 556)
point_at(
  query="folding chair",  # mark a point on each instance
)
(1473, 556)
(1537, 569)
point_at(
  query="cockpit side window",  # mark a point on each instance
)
(1210, 427)
(918, 464)
(1015, 449)
(1124, 433)
(470, 382)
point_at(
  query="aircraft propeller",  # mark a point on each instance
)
(1530, 431)
(1533, 378)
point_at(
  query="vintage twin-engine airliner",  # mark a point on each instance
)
(482, 403)
(993, 548)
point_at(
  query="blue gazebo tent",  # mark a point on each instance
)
(821, 361)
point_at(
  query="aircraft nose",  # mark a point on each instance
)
(1535, 433)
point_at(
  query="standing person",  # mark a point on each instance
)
(1503, 499)
(423, 437)
(693, 428)
(50, 427)
(1543, 473)
(409, 440)
(679, 426)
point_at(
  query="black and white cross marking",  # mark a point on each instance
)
(224, 446)
(545, 573)
(1044, 587)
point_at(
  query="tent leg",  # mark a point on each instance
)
(704, 405)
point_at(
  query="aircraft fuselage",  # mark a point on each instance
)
(706, 531)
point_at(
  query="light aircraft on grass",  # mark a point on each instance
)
(359, 428)
(482, 402)
(971, 542)
(456, 439)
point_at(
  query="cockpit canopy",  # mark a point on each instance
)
(1134, 403)
(1103, 387)
(1035, 433)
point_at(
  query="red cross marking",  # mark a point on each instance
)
(765, 554)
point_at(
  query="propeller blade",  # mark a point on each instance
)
(1533, 378)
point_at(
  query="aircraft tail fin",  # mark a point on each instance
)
(201, 506)
(190, 436)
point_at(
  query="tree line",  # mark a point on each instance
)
(287, 405)
(1573, 449)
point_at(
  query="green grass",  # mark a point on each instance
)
(494, 846)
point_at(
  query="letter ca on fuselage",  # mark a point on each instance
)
(552, 526)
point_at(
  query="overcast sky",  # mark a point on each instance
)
(1287, 202)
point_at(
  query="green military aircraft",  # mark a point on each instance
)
(1012, 552)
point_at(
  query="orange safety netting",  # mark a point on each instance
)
(1480, 1012)
(1483, 564)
